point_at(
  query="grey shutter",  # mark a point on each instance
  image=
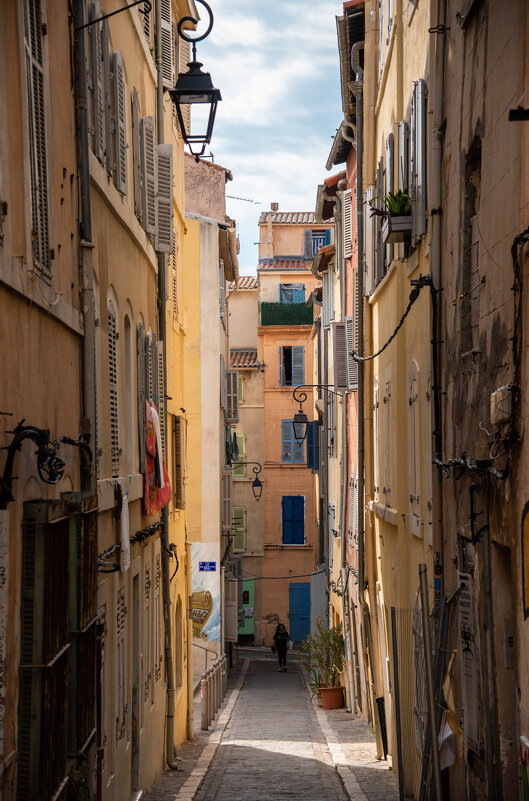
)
(351, 526)
(389, 164)
(168, 56)
(307, 243)
(98, 108)
(136, 160)
(232, 396)
(179, 461)
(147, 171)
(140, 345)
(223, 387)
(147, 25)
(112, 335)
(222, 291)
(347, 213)
(183, 59)
(380, 248)
(403, 181)
(163, 238)
(161, 393)
(120, 138)
(420, 143)
(369, 242)
(323, 462)
(298, 365)
(109, 117)
(281, 367)
(351, 344)
(339, 356)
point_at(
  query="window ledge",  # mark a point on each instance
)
(280, 545)
(133, 484)
(386, 513)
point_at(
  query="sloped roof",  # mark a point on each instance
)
(244, 282)
(288, 217)
(242, 359)
(284, 264)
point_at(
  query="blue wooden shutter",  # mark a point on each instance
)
(328, 236)
(298, 365)
(287, 437)
(308, 243)
(298, 295)
(313, 445)
(298, 522)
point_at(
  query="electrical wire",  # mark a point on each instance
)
(277, 578)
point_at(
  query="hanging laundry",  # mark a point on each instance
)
(155, 496)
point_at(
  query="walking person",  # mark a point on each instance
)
(281, 638)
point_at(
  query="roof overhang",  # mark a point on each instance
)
(322, 259)
(341, 145)
(325, 194)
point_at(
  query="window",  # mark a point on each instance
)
(369, 241)
(413, 448)
(313, 445)
(418, 159)
(240, 470)
(347, 217)
(147, 174)
(168, 44)
(314, 240)
(163, 238)
(339, 356)
(112, 334)
(331, 513)
(293, 519)
(38, 157)
(291, 450)
(136, 149)
(352, 338)
(98, 83)
(174, 275)
(179, 460)
(120, 133)
(238, 529)
(327, 297)
(145, 17)
(291, 365)
(232, 396)
(292, 293)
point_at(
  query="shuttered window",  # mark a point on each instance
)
(293, 519)
(179, 461)
(351, 340)
(112, 334)
(183, 59)
(168, 44)
(121, 659)
(388, 438)
(97, 83)
(238, 529)
(136, 158)
(339, 356)
(120, 132)
(226, 511)
(313, 444)
(148, 174)
(418, 144)
(291, 365)
(223, 387)
(380, 257)
(413, 449)
(291, 450)
(108, 100)
(369, 241)
(428, 459)
(347, 214)
(147, 23)
(240, 470)
(232, 396)
(160, 394)
(163, 240)
(38, 156)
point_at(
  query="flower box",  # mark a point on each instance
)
(396, 228)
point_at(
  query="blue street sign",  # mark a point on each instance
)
(207, 567)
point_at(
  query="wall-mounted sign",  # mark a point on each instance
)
(205, 600)
(207, 567)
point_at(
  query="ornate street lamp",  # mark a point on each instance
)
(195, 87)
(300, 422)
(257, 484)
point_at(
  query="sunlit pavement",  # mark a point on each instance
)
(277, 744)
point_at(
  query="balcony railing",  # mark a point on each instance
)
(285, 314)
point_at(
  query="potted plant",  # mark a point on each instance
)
(323, 654)
(396, 214)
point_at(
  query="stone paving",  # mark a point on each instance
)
(271, 741)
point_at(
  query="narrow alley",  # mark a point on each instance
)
(270, 740)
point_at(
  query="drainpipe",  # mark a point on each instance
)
(88, 476)
(162, 332)
(190, 728)
(438, 13)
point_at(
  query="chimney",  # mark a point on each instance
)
(274, 206)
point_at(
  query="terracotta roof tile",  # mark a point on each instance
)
(244, 282)
(289, 217)
(240, 359)
(285, 264)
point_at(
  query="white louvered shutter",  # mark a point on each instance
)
(161, 394)
(369, 242)
(98, 101)
(168, 59)
(419, 160)
(232, 396)
(120, 138)
(136, 159)
(109, 115)
(339, 355)
(183, 59)
(147, 27)
(390, 182)
(347, 212)
(147, 173)
(140, 347)
(163, 239)
(112, 334)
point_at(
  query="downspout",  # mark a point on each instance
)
(162, 334)
(88, 475)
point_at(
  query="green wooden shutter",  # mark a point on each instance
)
(239, 529)
(239, 470)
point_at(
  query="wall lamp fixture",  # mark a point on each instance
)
(300, 421)
(193, 87)
(257, 484)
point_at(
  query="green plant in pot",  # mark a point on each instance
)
(323, 655)
(394, 203)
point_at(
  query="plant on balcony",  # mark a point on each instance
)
(396, 214)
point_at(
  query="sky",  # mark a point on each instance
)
(276, 65)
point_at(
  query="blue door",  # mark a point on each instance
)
(299, 598)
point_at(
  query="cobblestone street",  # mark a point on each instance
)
(272, 742)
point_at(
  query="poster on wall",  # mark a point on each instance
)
(205, 600)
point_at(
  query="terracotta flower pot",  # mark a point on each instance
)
(331, 697)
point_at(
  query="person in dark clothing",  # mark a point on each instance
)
(281, 638)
